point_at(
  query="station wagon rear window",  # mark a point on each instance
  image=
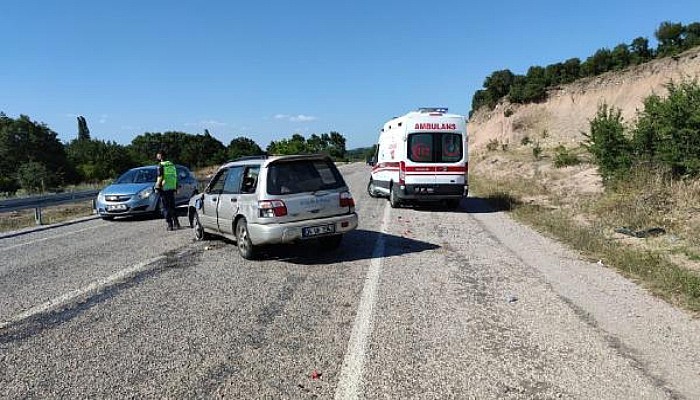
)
(303, 176)
(435, 147)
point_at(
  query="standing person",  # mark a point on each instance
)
(166, 184)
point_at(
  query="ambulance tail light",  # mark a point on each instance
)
(346, 200)
(402, 173)
(272, 208)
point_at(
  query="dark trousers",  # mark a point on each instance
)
(167, 198)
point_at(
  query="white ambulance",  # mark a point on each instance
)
(421, 157)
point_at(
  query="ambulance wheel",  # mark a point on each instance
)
(394, 197)
(370, 189)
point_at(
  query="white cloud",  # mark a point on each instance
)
(296, 118)
(207, 124)
(303, 118)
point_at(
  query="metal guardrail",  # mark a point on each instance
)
(39, 202)
(46, 200)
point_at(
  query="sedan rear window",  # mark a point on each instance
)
(303, 176)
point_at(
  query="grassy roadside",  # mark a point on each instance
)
(11, 221)
(667, 265)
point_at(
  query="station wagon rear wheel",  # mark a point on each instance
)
(245, 246)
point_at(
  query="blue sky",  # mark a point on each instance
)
(268, 69)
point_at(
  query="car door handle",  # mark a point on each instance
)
(213, 199)
(233, 200)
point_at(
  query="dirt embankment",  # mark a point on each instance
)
(566, 113)
(561, 119)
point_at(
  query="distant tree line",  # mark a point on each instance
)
(332, 143)
(673, 38)
(32, 157)
(666, 136)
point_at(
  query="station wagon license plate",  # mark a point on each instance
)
(118, 207)
(310, 231)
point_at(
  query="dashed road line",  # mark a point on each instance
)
(350, 385)
(93, 288)
(52, 237)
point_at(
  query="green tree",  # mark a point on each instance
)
(640, 51)
(295, 145)
(670, 37)
(336, 145)
(182, 148)
(620, 57)
(35, 177)
(97, 160)
(599, 63)
(243, 146)
(483, 98)
(692, 35)
(83, 131)
(498, 84)
(572, 70)
(23, 140)
(668, 130)
(611, 149)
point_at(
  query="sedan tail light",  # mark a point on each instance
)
(346, 200)
(272, 208)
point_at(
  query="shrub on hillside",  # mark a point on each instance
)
(492, 145)
(537, 150)
(562, 157)
(668, 130)
(607, 143)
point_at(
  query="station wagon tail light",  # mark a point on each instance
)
(402, 173)
(272, 208)
(346, 200)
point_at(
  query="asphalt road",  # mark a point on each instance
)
(416, 304)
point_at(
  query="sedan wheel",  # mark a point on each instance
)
(245, 246)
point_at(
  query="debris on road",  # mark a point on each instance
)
(512, 299)
(316, 375)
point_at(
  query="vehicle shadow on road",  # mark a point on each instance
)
(473, 205)
(357, 245)
(181, 212)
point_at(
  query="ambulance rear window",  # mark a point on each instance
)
(435, 147)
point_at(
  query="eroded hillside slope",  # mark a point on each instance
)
(569, 108)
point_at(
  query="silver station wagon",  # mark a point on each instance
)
(270, 200)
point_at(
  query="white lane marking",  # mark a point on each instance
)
(51, 237)
(92, 288)
(351, 374)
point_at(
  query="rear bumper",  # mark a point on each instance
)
(432, 192)
(290, 232)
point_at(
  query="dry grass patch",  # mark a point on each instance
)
(667, 265)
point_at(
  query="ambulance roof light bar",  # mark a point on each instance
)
(441, 110)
